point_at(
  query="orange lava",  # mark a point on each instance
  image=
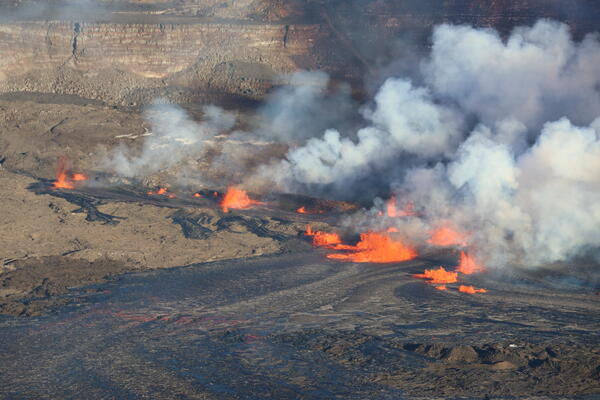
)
(376, 248)
(197, 195)
(237, 198)
(303, 210)
(470, 289)
(309, 231)
(438, 276)
(161, 192)
(441, 287)
(447, 236)
(468, 265)
(64, 178)
(323, 239)
(393, 212)
(392, 230)
(326, 239)
(79, 177)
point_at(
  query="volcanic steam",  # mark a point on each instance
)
(492, 147)
(499, 139)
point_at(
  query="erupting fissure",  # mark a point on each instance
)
(237, 199)
(323, 239)
(439, 275)
(392, 210)
(468, 265)
(375, 248)
(65, 179)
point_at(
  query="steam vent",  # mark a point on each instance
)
(300, 199)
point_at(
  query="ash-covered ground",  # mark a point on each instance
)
(298, 326)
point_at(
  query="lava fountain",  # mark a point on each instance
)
(439, 276)
(468, 265)
(237, 199)
(323, 239)
(375, 248)
(65, 179)
(392, 211)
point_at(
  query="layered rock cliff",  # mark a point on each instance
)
(129, 62)
(131, 51)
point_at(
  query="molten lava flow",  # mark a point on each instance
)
(323, 239)
(197, 195)
(468, 265)
(447, 236)
(237, 198)
(392, 230)
(441, 287)
(438, 276)
(301, 210)
(376, 248)
(470, 289)
(64, 178)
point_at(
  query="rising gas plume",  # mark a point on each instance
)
(493, 151)
(499, 141)
(174, 137)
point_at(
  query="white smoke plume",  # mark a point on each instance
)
(502, 142)
(533, 209)
(405, 120)
(173, 137)
(75, 10)
(537, 75)
(304, 107)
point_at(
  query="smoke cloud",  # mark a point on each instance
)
(405, 120)
(304, 108)
(173, 137)
(501, 141)
(55, 10)
(539, 74)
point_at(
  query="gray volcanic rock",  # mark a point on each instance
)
(129, 52)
